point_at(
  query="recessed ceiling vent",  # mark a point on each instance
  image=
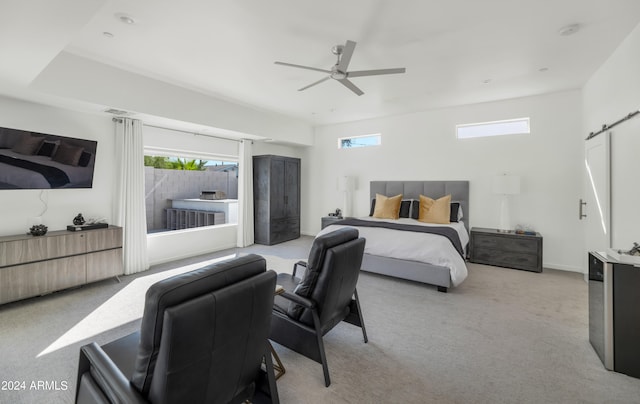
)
(569, 29)
(115, 111)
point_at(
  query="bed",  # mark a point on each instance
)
(422, 257)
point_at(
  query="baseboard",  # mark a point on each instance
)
(308, 233)
(192, 254)
(567, 268)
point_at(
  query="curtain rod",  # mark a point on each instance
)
(114, 119)
(607, 127)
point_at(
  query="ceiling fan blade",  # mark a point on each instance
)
(314, 83)
(345, 58)
(361, 73)
(351, 86)
(303, 67)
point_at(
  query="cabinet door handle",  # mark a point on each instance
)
(582, 204)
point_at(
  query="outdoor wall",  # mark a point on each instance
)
(162, 186)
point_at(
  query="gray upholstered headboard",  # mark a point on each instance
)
(459, 191)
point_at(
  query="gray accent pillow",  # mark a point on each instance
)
(28, 145)
(48, 148)
(68, 154)
(85, 159)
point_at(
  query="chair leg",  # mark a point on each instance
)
(278, 367)
(271, 377)
(323, 356)
(364, 330)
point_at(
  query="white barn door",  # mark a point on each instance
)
(597, 203)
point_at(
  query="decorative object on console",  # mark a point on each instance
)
(631, 256)
(635, 250)
(337, 213)
(525, 229)
(91, 224)
(505, 185)
(38, 230)
(78, 220)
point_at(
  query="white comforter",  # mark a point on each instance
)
(414, 246)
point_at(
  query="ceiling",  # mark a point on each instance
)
(455, 52)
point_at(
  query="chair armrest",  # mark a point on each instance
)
(113, 383)
(302, 301)
(295, 266)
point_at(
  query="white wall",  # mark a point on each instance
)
(18, 208)
(611, 93)
(174, 245)
(423, 146)
(188, 144)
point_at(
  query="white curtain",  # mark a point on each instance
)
(245, 194)
(130, 207)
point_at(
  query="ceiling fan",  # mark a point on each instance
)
(339, 70)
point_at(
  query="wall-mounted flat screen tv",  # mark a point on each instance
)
(31, 160)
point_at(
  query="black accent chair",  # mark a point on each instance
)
(310, 307)
(203, 339)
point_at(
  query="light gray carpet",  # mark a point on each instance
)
(503, 336)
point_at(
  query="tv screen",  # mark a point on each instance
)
(31, 160)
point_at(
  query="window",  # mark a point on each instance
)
(187, 192)
(495, 128)
(359, 141)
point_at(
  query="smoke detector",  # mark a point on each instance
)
(569, 29)
(125, 18)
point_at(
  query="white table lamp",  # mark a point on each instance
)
(505, 185)
(346, 184)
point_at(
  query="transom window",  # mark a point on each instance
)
(495, 128)
(359, 141)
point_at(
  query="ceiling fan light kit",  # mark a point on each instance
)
(339, 71)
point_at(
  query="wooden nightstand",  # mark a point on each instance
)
(511, 250)
(327, 220)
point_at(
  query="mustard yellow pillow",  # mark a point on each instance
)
(435, 211)
(387, 207)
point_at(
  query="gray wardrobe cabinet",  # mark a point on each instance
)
(276, 193)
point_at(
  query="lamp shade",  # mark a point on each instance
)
(346, 183)
(506, 184)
